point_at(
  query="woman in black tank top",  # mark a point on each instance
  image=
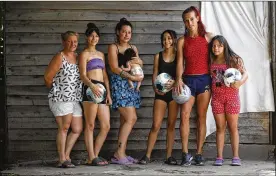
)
(164, 62)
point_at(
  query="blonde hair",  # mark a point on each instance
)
(65, 35)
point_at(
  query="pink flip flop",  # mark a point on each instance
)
(122, 161)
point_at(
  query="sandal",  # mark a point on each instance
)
(144, 160)
(133, 160)
(97, 162)
(65, 164)
(171, 161)
(122, 161)
(104, 160)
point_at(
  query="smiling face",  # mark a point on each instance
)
(93, 39)
(217, 48)
(191, 21)
(71, 43)
(167, 40)
(124, 35)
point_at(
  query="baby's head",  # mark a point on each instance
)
(129, 53)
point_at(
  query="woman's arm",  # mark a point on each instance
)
(52, 70)
(106, 83)
(238, 64)
(113, 64)
(179, 59)
(179, 64)
(155, 73)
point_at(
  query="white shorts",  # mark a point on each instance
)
(61, 108)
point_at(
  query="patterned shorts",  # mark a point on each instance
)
(122, 94)
(228, 103)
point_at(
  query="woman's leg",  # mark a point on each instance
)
(90, 111)
(104, 119)
(203, 100)
(232, 123)
(220, 133)
(130, 117)
(63, 123)
(76, 126)
(172, 116)
(159, 110)
(186, 109)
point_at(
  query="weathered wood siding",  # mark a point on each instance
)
(33, 37)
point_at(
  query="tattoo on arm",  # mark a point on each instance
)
(124, 74)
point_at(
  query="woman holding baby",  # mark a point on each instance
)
(125, 98)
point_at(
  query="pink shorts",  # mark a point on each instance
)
(228, 103)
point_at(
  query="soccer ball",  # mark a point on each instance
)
(231, 75)
(92, 97)
(160, 82)
(184, 96)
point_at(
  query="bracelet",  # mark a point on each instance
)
(121, 73)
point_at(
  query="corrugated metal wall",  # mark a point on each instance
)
(33, 37)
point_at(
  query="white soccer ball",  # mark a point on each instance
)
(231, 75)
(92, 97)
(184, 96)
(160, 82)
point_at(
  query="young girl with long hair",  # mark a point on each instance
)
(164, 62)
(225, 100)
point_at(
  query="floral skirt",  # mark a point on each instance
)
(122, 95)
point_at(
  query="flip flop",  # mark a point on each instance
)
(96, 162)
(133, 160)
(65, 164)
(122, 161)
(104, 160)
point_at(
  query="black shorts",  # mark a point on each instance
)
(85, 87)
(167, 97)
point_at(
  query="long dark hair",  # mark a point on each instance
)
(172, 34)
(91, 27)
(201, 27)
(122, 22)
(228, 52)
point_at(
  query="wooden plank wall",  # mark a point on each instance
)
(33, 37)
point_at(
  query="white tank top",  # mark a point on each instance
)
(67, 85)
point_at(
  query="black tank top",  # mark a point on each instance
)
(121, 57)
(166, 67)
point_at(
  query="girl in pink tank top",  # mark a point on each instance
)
(225, 100)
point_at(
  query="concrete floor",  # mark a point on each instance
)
(249, 167)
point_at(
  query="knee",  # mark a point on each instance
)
(90, 126)
(105, 127)
(233, 128)
(155, 127)
(185, 116)
(65, 128)
(201, 122)
(77, 129)
(132, 120)
(221, 129)
(171, 126)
